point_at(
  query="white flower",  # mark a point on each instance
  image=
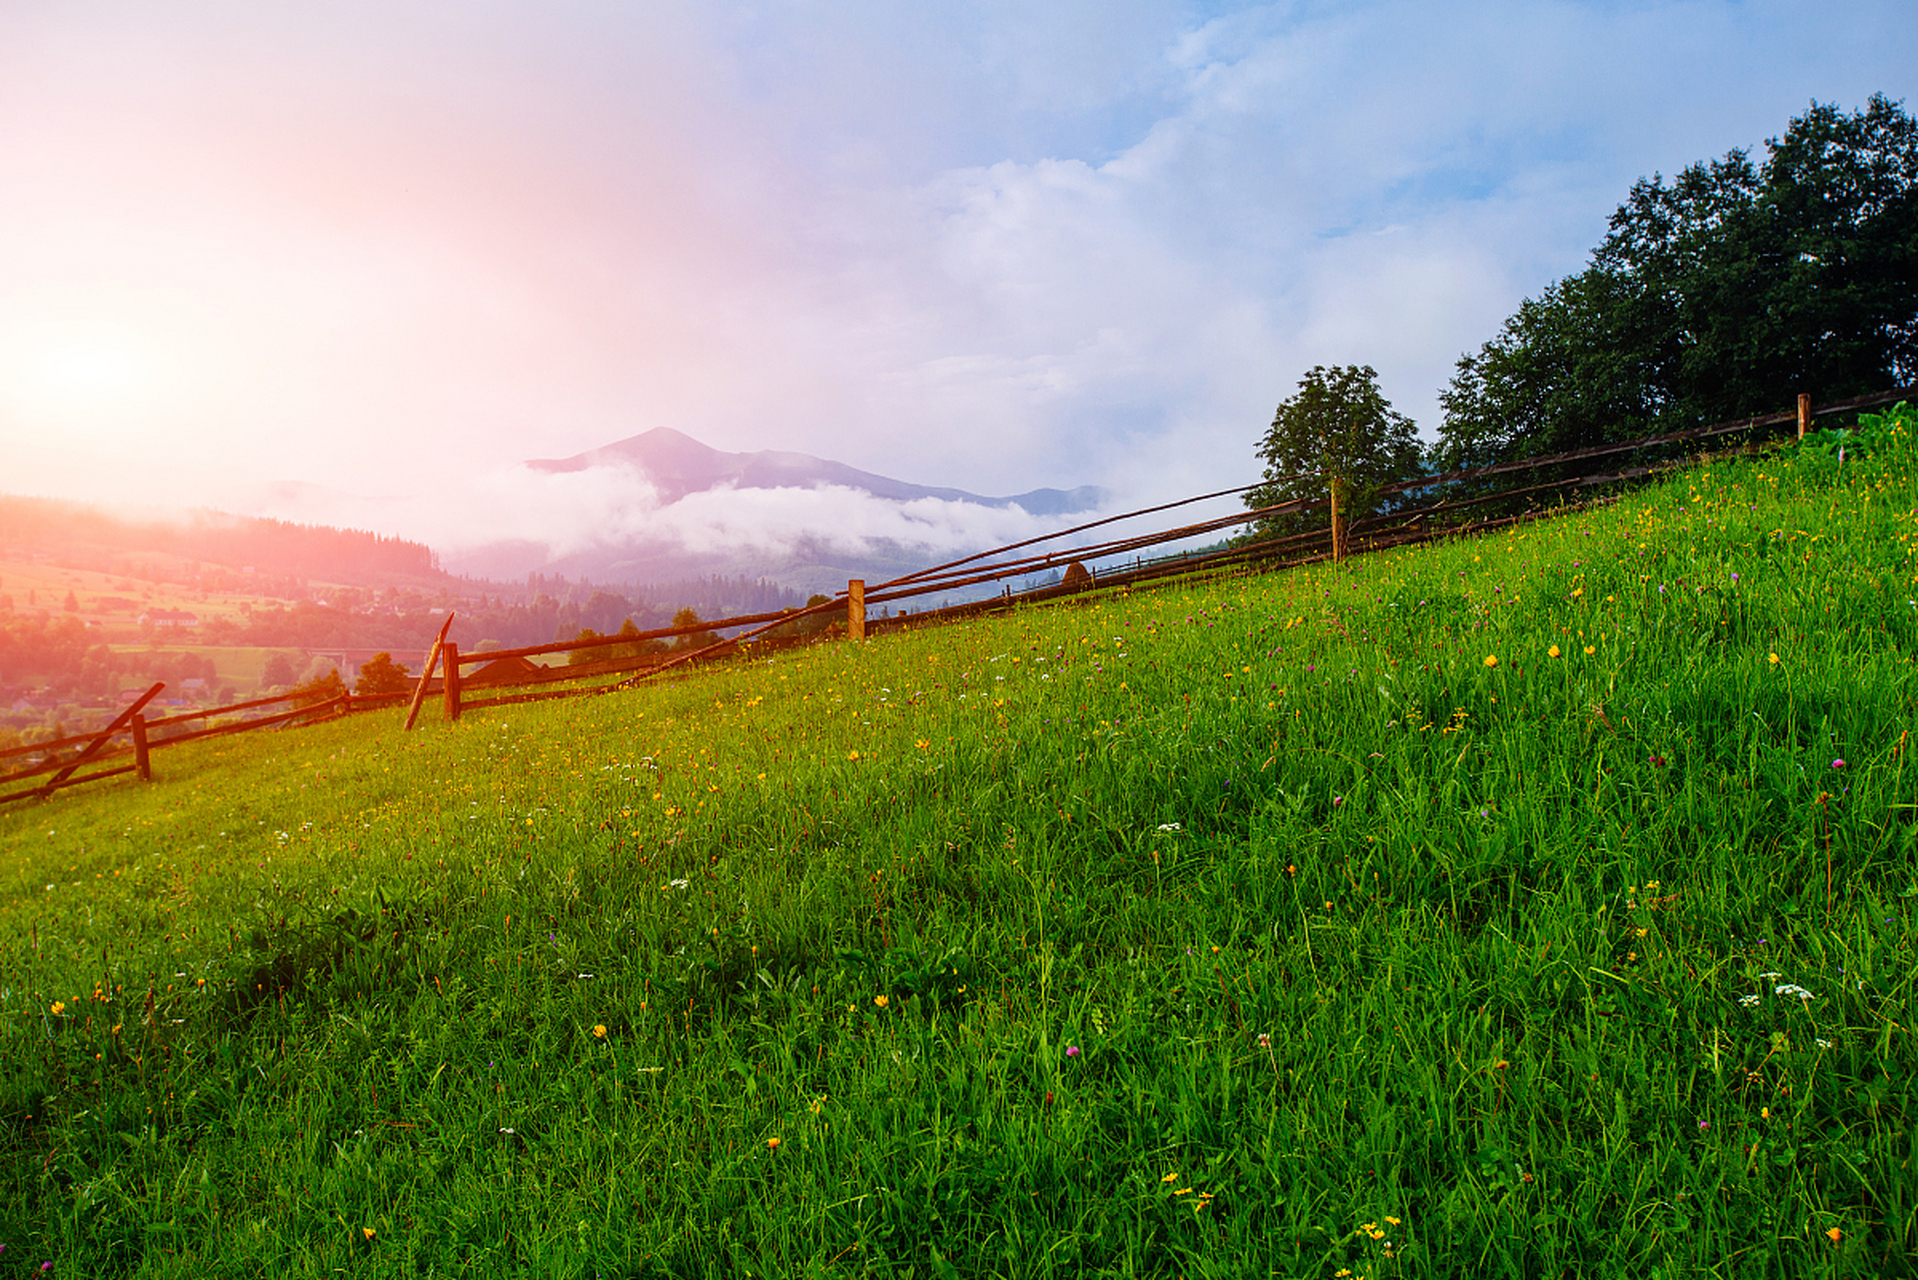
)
(1163, 826)
(1748, 1001)
(1791, 989)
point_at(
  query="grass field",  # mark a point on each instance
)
(1537, 905)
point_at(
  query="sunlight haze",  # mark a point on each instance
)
(390, 251)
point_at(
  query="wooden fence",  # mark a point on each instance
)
(508, 676)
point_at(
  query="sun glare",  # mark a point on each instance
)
(77, 377)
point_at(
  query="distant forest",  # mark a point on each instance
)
(91, 538)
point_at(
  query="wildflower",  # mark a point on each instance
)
(1393, 1221)
(772, 1144)
(59, 1007)
(1491, 659)
(1171, 1177)
(1704, 1124)
(922, 744)
(1072, 1051)
(1337, 801)
(852, 755)
(599, 1030)
(1590, 650)
(365, 1231)
(1774, 659)
(1838, 764)
(881, 1001)
(1834, 1235)
(1552, 652)
(1265, 1040)
(1168, 826)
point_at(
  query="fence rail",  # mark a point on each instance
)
(1087, 565)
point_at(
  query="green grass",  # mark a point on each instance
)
(1258, 926)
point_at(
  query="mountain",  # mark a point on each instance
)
(679, 465)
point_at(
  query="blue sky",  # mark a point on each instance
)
(391, 249)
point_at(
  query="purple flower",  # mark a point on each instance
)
(1704, 1124)
(1838, 764)
(1072, 1051)
(1337, 801)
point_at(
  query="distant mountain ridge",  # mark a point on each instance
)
(679, 465)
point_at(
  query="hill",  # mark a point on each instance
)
(1534, 905)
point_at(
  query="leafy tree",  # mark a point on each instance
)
(1722, 293)
(278, 671)
(1337, 424)
(689, 617)
(380, 674)
(637, 648)
(580, 657)
(319, 688)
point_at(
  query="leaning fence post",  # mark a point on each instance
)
(432, 656)
(450, 655)
(1804, 413)
(856, 609)
(140, 762)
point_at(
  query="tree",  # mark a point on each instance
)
(278, 671)
(380, 674)
(1723, 293)
(637, 648)
(323, 687)
(1338, 424)
(689, 617)
(580, 657)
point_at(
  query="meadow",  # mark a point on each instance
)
(1532, 905)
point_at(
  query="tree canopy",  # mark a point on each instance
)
(1337, 424)
(380, 674)
(1725, 292)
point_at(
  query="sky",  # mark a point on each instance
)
(357, 261)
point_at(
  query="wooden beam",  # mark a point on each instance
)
(140, 761)
(1804, 413)
(101, 739)
(432, 657)
(856, 609)
(450, 705)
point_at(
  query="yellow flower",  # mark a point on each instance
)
(1170, 1177)
(367, 1232)
(1834, 1235)
(922, 744)
(1394, 1221)
(1774, 659)
(1552, 652)
(881, 1001)
(1491, 659)
(852, 755)
(772, 1144)
(59, 1007)
(1589, 650)
(599, 1030)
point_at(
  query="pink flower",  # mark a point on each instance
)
(1072, 1051)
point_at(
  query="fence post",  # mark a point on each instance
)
(450, 655)
(1338, 528)
(856, 609)
(432, 656)
(140, 763)
(1804, 413)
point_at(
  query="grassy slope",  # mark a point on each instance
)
(1264, 926)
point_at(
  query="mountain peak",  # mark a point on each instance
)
(678, 465)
